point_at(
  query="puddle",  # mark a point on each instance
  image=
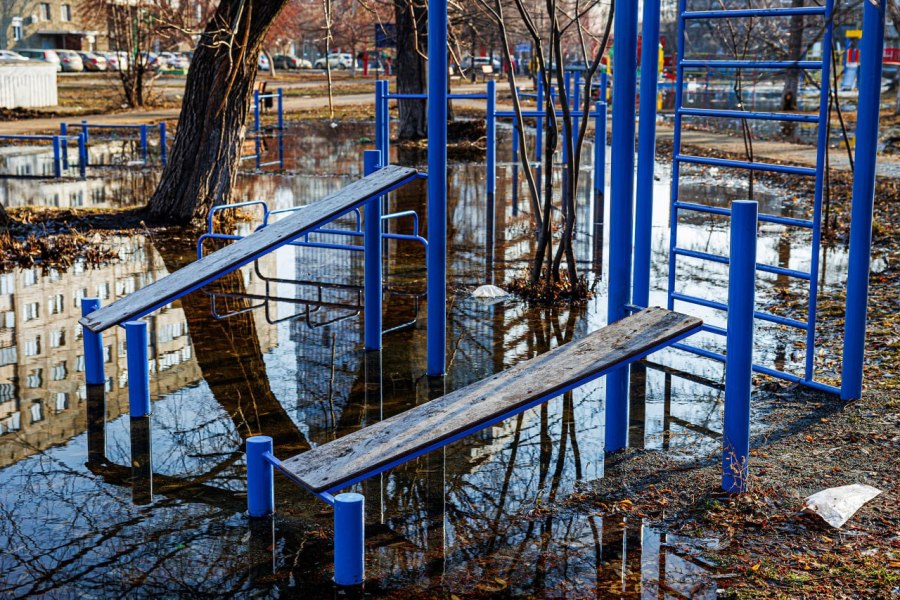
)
(95, 503)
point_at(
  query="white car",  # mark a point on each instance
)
(263, 62)
(10, 55)
(341, 61)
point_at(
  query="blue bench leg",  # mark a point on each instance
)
(739, 346)
(138, 368)
(260, 477)
(93, 346)
(349, 539)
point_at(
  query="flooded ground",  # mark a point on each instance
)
(97, 504)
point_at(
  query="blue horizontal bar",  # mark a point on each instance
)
(467, 432)
(740, 114)
(766, 218)
(812, 383)
(101, 126)
(724, 307)
(534, 114)
(467, 96)
(407, 96)
(750, 166)
(751, 64)
(759, 266)
(753, 12)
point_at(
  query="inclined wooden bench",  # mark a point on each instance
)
(408, 435)
(244, 251)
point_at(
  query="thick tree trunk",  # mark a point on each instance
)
(203, 163)
(412, 22)
(792, 76)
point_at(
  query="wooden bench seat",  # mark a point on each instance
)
(402, 437)
(244, 251)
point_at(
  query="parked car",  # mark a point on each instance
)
(116, 61)
(70, 61)
(10, 55)
(174, 60)
(48, 56)
(336, 61)
(263, 62)
(93, 61)
(477, 62)
(285, 61)
(305, 64)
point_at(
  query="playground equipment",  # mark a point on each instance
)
(260, 149)
(260, 100)
(634, 330)
(60, 145)
(143, 136)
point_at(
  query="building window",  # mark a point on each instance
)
(59, 372)
(58, 338)
(66, 12)
(17, 28)
(44, 11)
(35, 379)
(55, 304)
(37, 411)
(33, 346)
(32, 311)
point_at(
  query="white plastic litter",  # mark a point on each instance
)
(836, 505)
(490, 292)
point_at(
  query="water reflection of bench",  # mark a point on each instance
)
(406, 436)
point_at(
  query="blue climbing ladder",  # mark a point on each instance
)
(680, 208)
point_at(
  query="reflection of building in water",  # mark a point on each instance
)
(42, 391)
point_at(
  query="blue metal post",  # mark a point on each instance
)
(258, 146)
(84, 131)
(621, 200)
(491, 133)
(379, 128)
(280, 108)
(138, 368)
(349, 537)
(64, 133)
(373, 274)
(93, 346)
(871, 50)
(437, 188)
(643, 225)
(599, 162)
(576, 105)
(256, 110)
(57, 158)
(515, 168)
(539, 126)
(385, 123)
(739, 346)
(82, 156)
(281, 150)
(143, 132)
(260, 477)
(163, 144)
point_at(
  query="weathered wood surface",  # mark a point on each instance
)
(329, 466)
(219, 263)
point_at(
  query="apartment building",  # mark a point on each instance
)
(47, 24)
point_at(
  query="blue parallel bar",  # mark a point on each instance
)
(715, 210)
(373, 263)
(620, 213)
(138, 368)
(466, 96)
(260, 477)
(93, 346)
(752, 12)
(816, 385)
(861, 212)
(643, 218)
(499, 419)
(739, 353)
(741, 114)
(533, 114)
(751, 64)
(724, 307)
(821, 161)
(751, 166)
(436, 257)
(406, 96)
(759, 266)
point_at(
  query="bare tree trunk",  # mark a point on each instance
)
(792, 76)
(203, 163)
(411, 17)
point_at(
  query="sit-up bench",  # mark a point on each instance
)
(362, 454)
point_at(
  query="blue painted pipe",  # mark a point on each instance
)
(163, 144)
(620, 214)
(64, 133)
(373, 266)
(436, 257)
(138, 368)
(539, 128)
(379, 130)
(57, 156)
(280, 109)
(281, 150)
(385, 124)
(349, 538)
(93, 346)
(84, 131)
(82, 157)
(739, 346)
(260, 477)
(491, 133)
(643, 223)
(256, 110)
(143, 137)
(871, 50)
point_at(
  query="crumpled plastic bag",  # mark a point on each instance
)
(489, 292)
(836, 505)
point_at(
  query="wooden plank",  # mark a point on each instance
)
(215, 265)
(331, 465)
